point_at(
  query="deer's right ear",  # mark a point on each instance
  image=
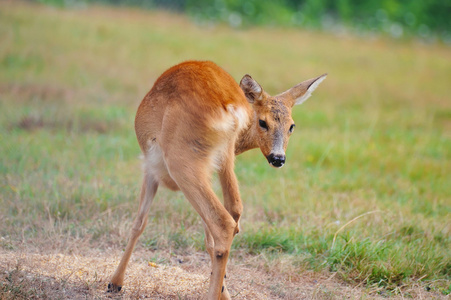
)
(252, 90)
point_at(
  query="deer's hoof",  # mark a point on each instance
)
(112, 288)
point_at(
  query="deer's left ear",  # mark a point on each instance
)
(252, 90)
(304, 90)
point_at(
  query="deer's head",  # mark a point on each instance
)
(272, 115)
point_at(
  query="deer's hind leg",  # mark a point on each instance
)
(148, 191)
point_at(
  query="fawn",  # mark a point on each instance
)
(193, 122)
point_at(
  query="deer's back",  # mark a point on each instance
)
(193, 100)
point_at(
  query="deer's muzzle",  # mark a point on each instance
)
(277, 160)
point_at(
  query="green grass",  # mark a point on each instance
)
(375, 138)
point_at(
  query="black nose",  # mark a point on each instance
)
(276, 160)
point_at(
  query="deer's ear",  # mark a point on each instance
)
(252, 90)
(304, 90)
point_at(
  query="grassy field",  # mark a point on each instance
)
(366, 192)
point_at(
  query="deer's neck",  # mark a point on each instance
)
(247, 137)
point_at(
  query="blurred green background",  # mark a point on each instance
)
(394, 17)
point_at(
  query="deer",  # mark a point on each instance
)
(192, 123)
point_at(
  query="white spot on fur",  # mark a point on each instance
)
(231, 121)
(154, 164)
(241, 117)
(310, 90)
(234, 119)
(225, 123)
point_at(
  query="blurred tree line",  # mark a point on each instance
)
(396, 17)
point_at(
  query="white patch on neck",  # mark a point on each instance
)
(224, 123)
(235, 119)
(241, 117)
(232, 121)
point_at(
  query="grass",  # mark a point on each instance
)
(374, 138)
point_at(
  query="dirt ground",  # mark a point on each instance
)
(25, 274)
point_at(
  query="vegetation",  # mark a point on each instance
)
(365, 193)
(426, 19)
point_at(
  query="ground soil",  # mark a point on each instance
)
(30, 274)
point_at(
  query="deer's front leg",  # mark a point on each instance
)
(194, 181)
(210, 244)
(230, 189)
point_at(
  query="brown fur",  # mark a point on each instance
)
(194, 121)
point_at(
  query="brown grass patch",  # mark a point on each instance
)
(28, 91)
(30, 275)
(33, 122)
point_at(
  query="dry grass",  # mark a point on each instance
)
(30, 275)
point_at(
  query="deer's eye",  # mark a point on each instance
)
(291, 128)
(263, 124)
